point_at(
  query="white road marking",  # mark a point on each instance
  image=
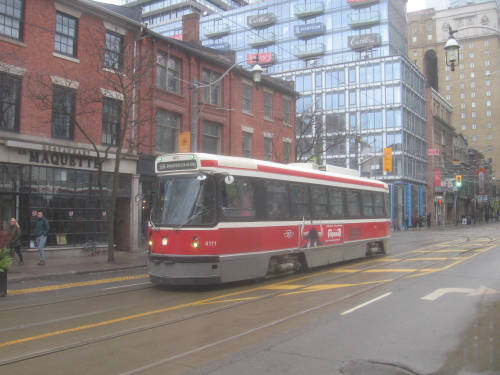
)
(366, 303)
(125, 286)
(470, 292)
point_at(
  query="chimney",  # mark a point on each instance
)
(191, 28)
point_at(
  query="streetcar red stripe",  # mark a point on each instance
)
(297, 173)
(209, 163)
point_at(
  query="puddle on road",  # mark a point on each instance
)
(479, 349)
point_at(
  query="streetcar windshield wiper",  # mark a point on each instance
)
(192, 217)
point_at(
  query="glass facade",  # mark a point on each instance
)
(359, 92)
(69, 198)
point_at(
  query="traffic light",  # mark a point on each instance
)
(440, 202)
(458, 180)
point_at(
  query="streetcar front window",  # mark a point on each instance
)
(184, 201)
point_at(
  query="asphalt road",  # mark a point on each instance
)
(431, 306)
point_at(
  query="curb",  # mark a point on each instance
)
(72, 273)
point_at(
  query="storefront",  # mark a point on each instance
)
(63, 182)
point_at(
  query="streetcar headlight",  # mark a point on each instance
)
(150, 244)
(164, 241)
(196, 243)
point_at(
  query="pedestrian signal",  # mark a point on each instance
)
(440, 202)
(458, 180)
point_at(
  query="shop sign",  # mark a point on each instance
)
(260, 58)
(310, 29)
(432, 151)
(437, 177)
(260, 20)
(364, 41)
(56, 159)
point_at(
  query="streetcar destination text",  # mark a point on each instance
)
(181, 164)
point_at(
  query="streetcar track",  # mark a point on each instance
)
(143, 328)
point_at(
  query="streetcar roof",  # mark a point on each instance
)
(237, 165)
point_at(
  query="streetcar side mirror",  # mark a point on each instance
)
(229, 179)
(201, 177)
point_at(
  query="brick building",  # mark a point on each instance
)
(84, 84)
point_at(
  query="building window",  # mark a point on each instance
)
(66, 32)
(472, 65)
(211, 137)
(474, 126)
(464, 127)
(488, 103)
(473, 114)
(463, 115)
(448, 97)
(111, 120)
(488, 93)
(10, 90)
(113, 51)
(168, 72)
(488, 113)
(490, 137)
(487, 63)
(167, 131)
(462, 86)
(490, 125)
(268, 148)
(473, 85)
(462, 105)
(63, 112)
(246, 148)
(287, 111)
(11, 18)
(268, 106)
(212, 90)
(448, 87)
(474, 138)
(286, 152)
(486, 43)
(247, 98)
(473, 104)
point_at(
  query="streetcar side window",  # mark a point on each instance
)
(319, 198)
(353, 203)
(299, 197)
(367, 201)
(378, 204)
(238, 198)
(336, 200)
(277, 205)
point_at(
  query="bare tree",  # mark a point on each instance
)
(119, 83)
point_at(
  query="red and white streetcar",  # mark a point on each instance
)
(218, 219)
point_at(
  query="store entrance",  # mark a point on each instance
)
(8, 204)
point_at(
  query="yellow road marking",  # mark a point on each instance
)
(430, 258)
(74, 285)
(322, 287)
(220, 299)
(280, 287)
(377, 270)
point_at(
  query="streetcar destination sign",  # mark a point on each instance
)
(176, 165)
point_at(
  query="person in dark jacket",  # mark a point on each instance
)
(41, 231)
(15, 239)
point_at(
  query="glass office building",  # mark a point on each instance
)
(359, 92)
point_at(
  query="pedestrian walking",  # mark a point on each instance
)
(14, 235)
(41, 231)
(428, 220)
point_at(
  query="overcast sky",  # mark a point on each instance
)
(412, 4)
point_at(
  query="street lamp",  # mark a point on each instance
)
(451, 50)
(451, 47)
(256, 76)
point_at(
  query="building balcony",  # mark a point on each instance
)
(262, 40)
(360, 3)
(308, 9)
(216, 31)
(362, 20)
(310, 50)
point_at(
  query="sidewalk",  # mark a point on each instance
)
(71, 263)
